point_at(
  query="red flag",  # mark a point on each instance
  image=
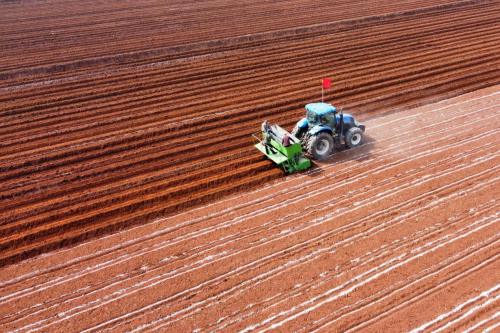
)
(327, 83)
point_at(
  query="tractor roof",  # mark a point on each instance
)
(320, 108)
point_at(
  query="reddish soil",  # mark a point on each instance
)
(108, 138)
(125, 132)
(402, 233)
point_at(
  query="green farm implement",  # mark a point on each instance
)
(282, 148)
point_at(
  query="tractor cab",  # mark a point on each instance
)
(327, 119)
(321, 114)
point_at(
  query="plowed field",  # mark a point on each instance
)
(402, 233)
(125, 142)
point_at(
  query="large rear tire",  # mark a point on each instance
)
(354, 137)
(320, 145)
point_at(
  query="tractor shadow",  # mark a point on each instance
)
(344, 155)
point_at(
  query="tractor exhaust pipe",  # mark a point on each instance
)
(341, 135)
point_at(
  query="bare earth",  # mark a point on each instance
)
(131, 198)
(402, 233)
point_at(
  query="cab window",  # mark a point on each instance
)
(312, 117)
(328, 119)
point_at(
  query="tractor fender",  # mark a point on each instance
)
(360, 125)
(320, 128)
(302, 123)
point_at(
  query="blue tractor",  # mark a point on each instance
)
(324, 128)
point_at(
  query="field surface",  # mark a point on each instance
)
(401, 233)
(132, 199)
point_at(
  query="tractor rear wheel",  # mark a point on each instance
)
(320, 145)
(354, 137)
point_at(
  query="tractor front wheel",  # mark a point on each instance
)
(354, 137)
(320, 146)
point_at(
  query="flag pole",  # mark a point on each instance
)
(322, 93)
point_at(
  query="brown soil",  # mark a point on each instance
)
(92, 147)
(125, 132)
(401, 233)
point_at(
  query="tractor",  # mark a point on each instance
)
(324, 128)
